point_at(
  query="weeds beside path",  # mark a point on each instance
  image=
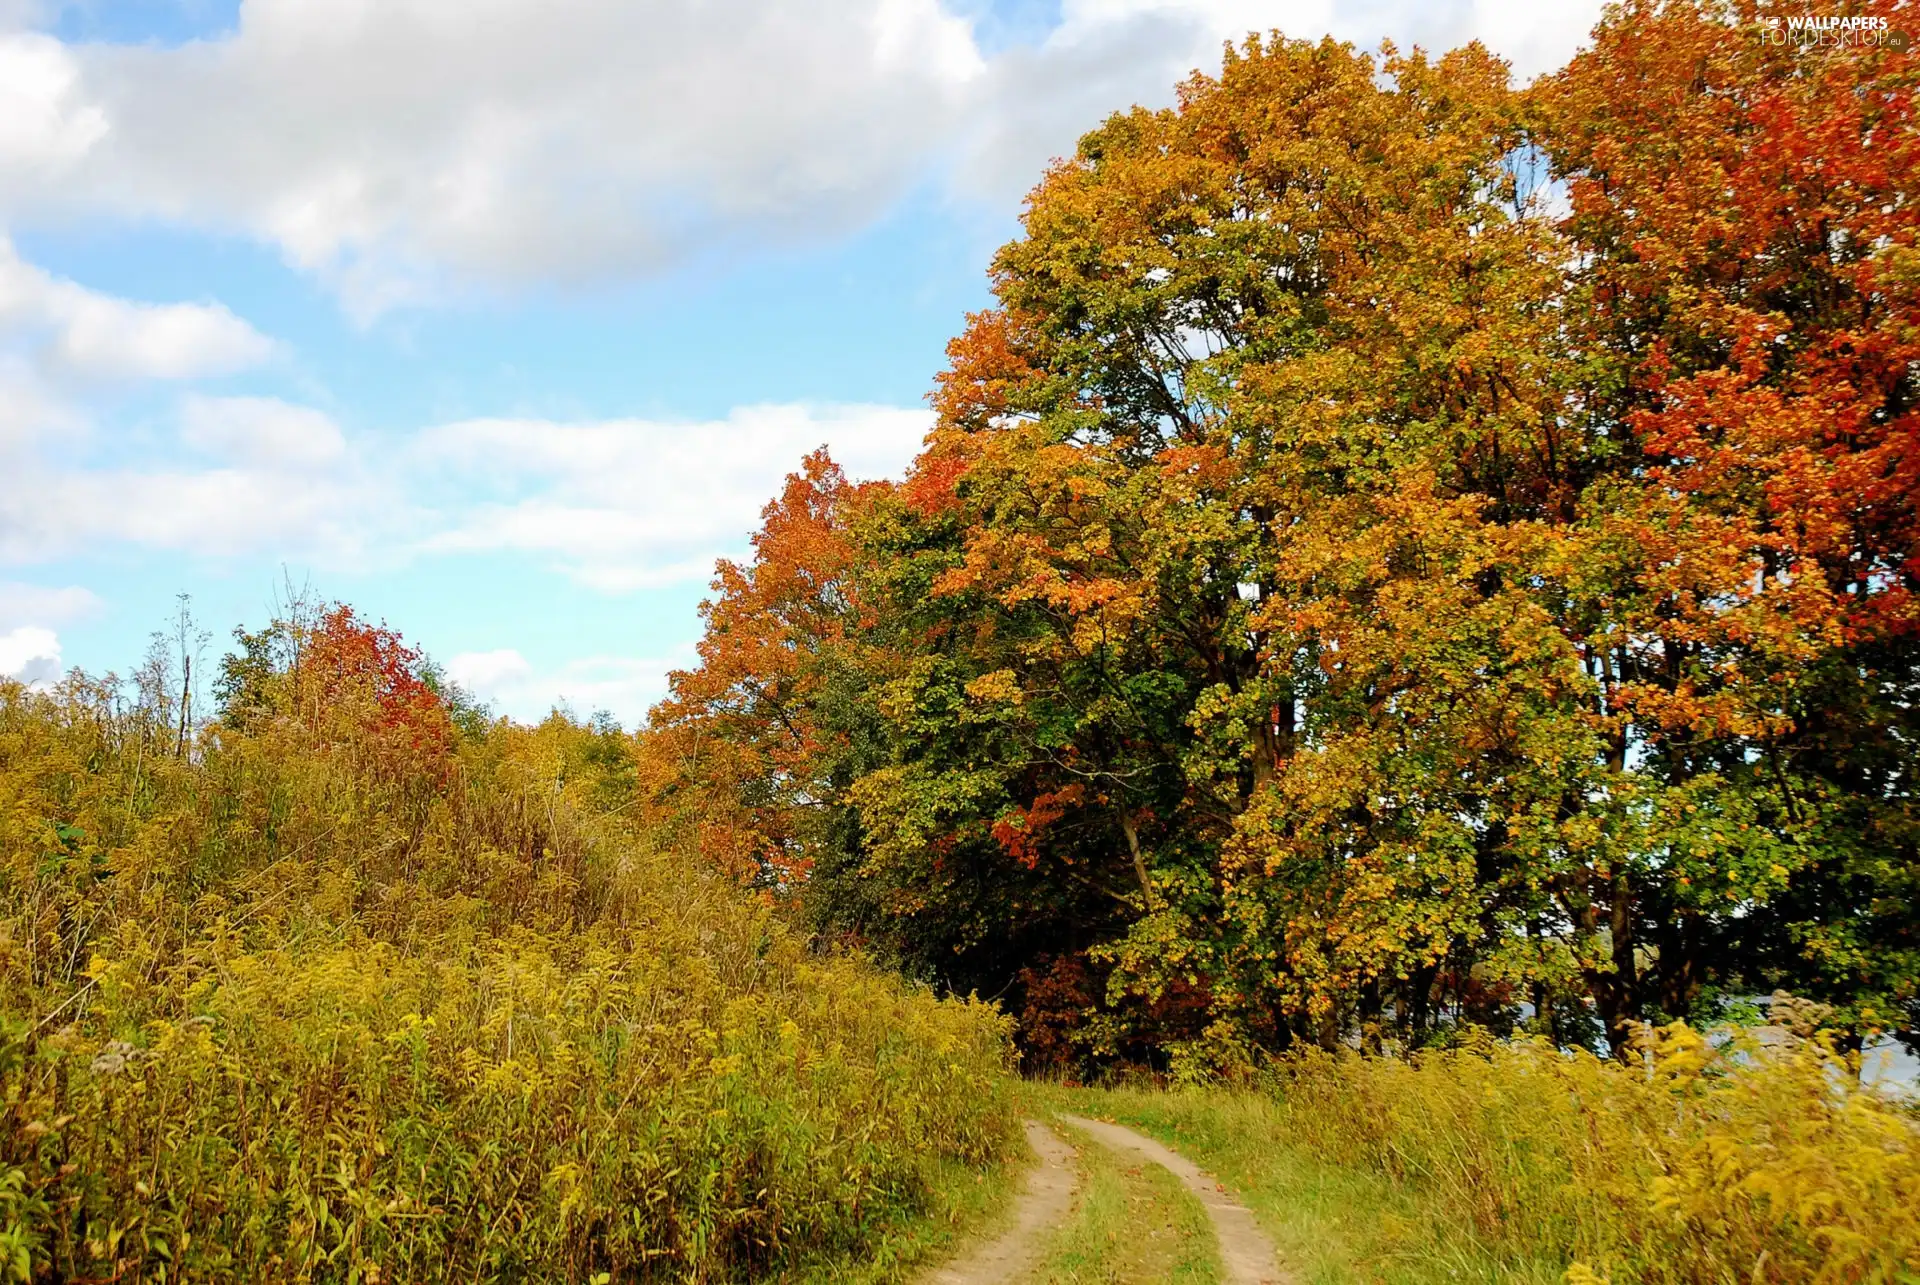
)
(1331, 1225)
(1518, 1163)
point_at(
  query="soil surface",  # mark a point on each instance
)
(1246, 1254)
(1049, 1193)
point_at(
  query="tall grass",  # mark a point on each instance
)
(328, 1000)
(1699, 1164)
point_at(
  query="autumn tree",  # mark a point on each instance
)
(1744, 211)
(1399, 546)
(743, 760)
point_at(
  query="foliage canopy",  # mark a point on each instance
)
(1401, 547)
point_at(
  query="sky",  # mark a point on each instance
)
(501, 319)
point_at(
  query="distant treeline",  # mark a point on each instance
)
(1402, 550)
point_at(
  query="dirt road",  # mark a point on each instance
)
(1246, 1254)
(1049, 1193)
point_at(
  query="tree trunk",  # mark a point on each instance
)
(1139, 861)
(186, 701)
(1272, 742)
(1619, 999)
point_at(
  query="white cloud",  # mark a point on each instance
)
(219, 512)
(45, 122)
(30, 654)
(403, 149)
(65, 349)
(625, 686)
(29, 613)
(486, 672)
(282, 481)
(618, 505)
(386, 147)
(1535, 37)
(30, 408)
(263, 431)
(625, 504)
(70, 330)
(31, 604)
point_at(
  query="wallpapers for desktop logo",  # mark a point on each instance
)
(1831, 31)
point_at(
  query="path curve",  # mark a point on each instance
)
(1050, 1188)
(1245, 1252)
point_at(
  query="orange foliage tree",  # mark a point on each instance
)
(739, 758)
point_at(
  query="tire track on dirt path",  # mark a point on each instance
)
(1050, 1188)
(1246, 1254)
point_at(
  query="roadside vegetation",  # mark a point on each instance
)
(1691, 1164)
(355, 985)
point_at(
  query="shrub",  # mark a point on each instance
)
(278, 1009)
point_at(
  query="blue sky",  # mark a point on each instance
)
(501, 319)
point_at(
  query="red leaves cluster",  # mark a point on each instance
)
(1019, 832)
(361, 683)
(1753, 203)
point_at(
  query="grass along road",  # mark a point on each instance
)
(1331, 1224)
(1051, 1185)
(1134, 1222)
